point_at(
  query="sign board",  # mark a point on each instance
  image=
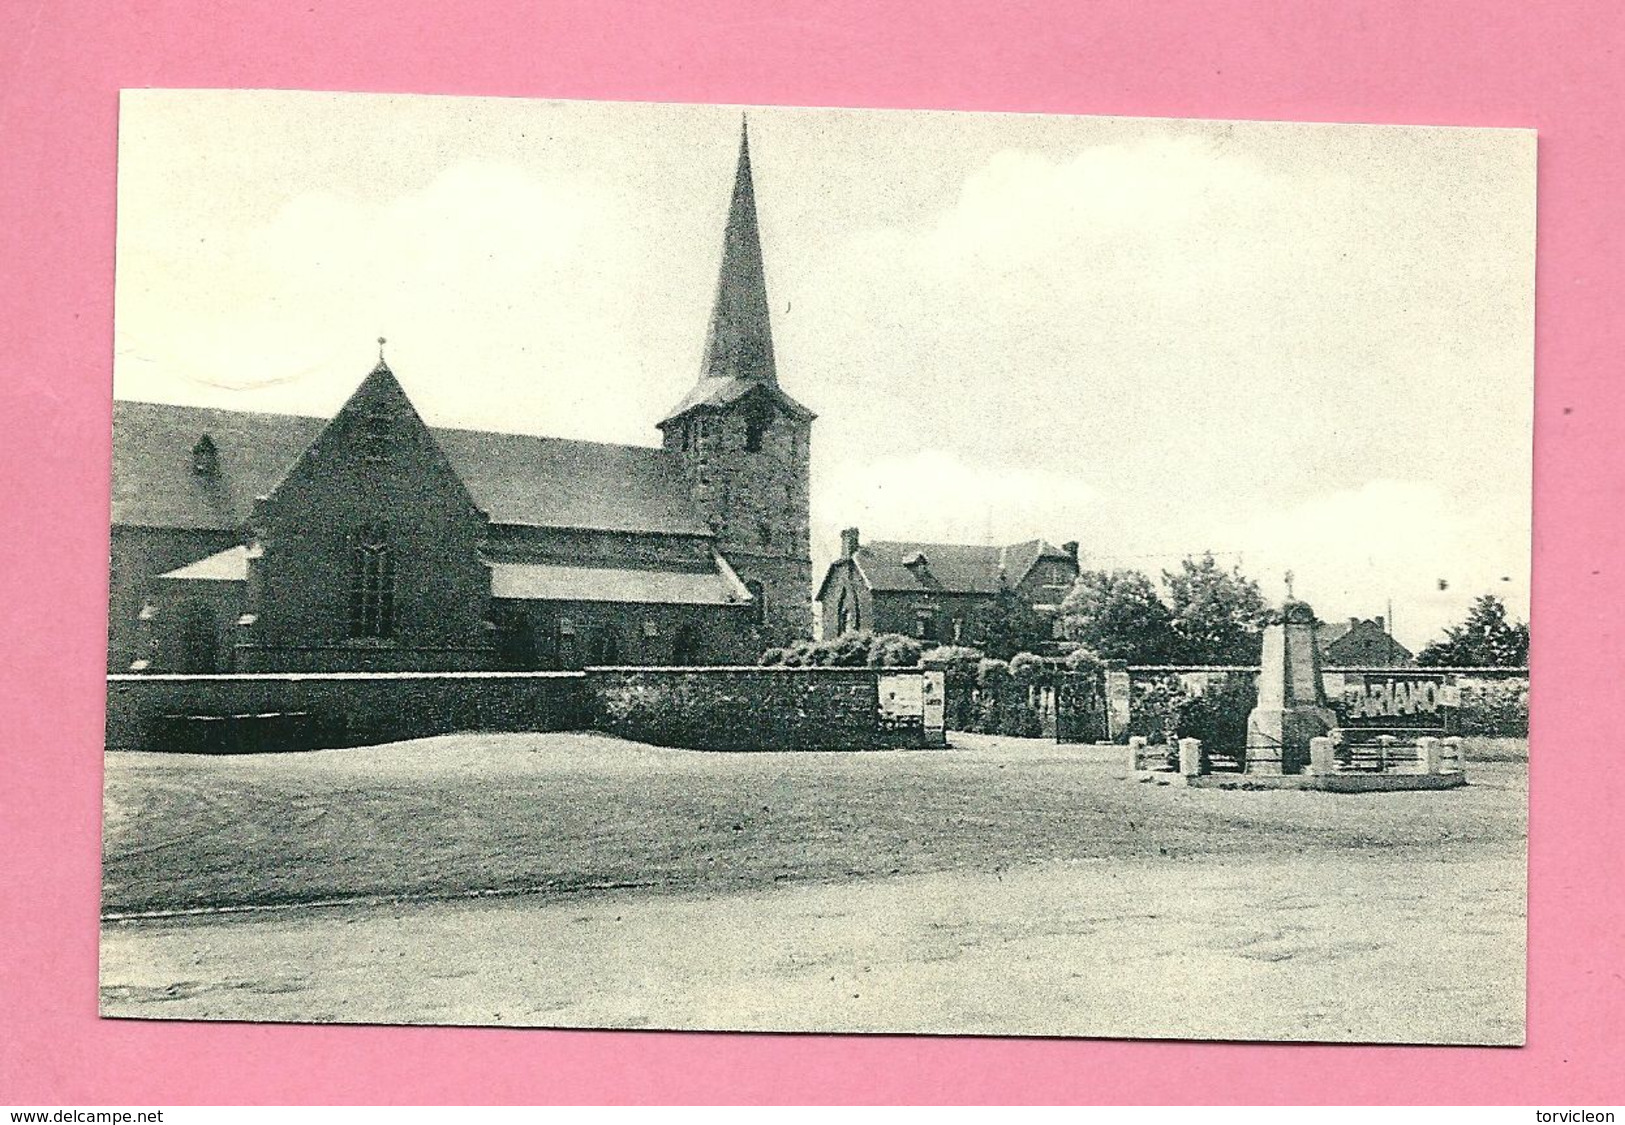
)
(1397, 700)
(915, 700)
(934, 690)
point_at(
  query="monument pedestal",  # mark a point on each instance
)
(1291, 707)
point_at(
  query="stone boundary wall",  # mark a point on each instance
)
(1495, 700)
(747, 708)
(729, 708)
(302, 711)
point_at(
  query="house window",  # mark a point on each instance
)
(372, 584)
(764, 533)
(959, 629)
(758, 601)
(843, 613)
(925, 625)
(754, 430)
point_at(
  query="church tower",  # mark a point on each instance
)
(744, 443)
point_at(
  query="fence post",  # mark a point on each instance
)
(1427, 754)
(1321, 760)
(1136, 748)
(1190, 756)
(1454, 754)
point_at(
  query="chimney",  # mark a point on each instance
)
(849, 542)
(1382, 624)
(1071, 548)
(1355, 621)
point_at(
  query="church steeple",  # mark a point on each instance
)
(739, 342)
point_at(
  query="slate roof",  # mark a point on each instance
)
(518, 479)
(952, 568)
(552, 582)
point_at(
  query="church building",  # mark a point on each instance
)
(372, 541)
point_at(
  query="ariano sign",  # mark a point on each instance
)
(1392, 699)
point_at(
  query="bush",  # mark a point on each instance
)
(1025, 668)
(1496, 708)
(1084, 659)
(851, 650)
(1218, 716)
(1153, 707)
(893, 650)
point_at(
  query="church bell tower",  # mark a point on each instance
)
(744, 442)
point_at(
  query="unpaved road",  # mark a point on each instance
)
(1231, 915)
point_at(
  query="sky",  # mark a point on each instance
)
(1305, 348)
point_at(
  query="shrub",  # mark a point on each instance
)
(1025, 668)
(1218, 716)
(850, 650)
(1084, 659)
(1498, 708)
(1153, 707)
(893, 650)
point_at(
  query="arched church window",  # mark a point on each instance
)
(372, 583)
(754, 429)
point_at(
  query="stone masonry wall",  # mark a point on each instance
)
(309, 711)
(744, 708)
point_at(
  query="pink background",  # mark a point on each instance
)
(1558, 68)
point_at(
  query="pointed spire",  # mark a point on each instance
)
(382, 366)
(739, 343)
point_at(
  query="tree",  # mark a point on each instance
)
(1485, 639)
(1119, 615)
(1008, 625)
(1219, 615)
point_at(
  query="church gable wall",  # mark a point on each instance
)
(370, 551)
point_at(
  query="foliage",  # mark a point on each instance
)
(1495, 707)
(894, 650)
(1218, 715)
(1484, 639)
(1008, 625)
(952, 659)
(850, 650)
(1084, 659)
(1154, 707)
(1025, 668)
(1119, 615)
(1218, 615)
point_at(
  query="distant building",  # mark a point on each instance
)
(1361, 644)
(371, 541)
(934, 591)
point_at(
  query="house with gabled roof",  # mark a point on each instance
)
(374, 541)
(937, 591)
(1361, 643)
